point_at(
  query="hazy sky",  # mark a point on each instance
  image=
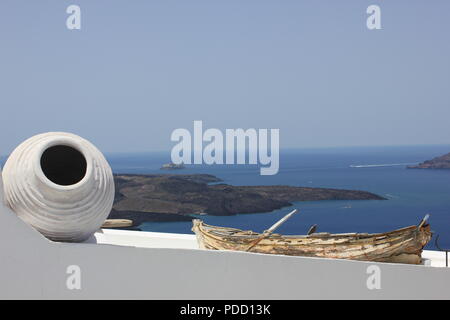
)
(137, 70)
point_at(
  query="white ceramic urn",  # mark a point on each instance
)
(60, 184)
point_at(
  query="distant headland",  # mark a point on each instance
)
(173, 197)
(441, 162)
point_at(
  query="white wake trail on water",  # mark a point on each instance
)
(380, 165)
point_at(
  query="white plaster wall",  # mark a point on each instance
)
(33, 267)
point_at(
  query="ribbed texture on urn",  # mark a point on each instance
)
(60, 184)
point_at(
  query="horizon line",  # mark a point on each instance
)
(284, 149)
(304, 148)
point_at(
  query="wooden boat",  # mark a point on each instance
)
(402, 245)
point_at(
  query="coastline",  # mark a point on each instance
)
(176, 197)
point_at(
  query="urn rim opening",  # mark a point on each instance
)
(64, 165)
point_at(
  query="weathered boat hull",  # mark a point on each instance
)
(403, 245)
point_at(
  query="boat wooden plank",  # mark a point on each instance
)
(403, 244)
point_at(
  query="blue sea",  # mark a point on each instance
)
(411, 193)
